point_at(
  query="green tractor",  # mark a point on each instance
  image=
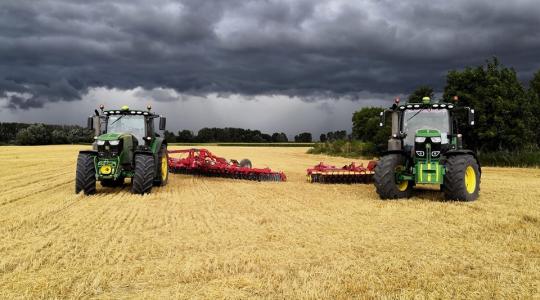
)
(126, 146)
(426, 149)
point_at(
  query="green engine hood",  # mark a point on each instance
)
(113, 136)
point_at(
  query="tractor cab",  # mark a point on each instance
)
(138, 123)
(411, 121)
(415, 121)
(423, 148)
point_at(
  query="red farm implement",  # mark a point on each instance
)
(352, 173)
(203, 162)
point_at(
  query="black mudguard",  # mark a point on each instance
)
(402, 152)
(91, 152)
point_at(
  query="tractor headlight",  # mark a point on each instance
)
(436, 139)
(114, 143)
(420, 139)
(435, 153)
(100, 143)
(420, 153)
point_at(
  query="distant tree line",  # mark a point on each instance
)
(507, 114)
(225, 135)
(41, 134)
(331, 136)
(228, 135)
(304, 137)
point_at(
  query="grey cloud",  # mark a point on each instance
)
(159, 95)
(55, 50)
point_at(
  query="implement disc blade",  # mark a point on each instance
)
(340, 178)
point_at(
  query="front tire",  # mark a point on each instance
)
(144, 174)
(462, 178)
(385, 178)
(85, 179)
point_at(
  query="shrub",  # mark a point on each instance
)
(344, 148)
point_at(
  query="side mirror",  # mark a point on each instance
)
(90, 123)
(382, 119)
(471, 117)
(162, 123)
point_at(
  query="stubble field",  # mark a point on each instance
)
(203, 237)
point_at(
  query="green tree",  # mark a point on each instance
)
(304, 137)
(36, 134)
(323, 138)
(8, 131)
(535, 83)
(77, 134)
(279, 137)
(534, 104)
(169, 136)
(266, 138)
(421, 92)
(500, 103)
(340, 135)
(185, 136)
(59, 137)
(366, 127)
(330, 136)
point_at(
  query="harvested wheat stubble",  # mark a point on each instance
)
(221, 238)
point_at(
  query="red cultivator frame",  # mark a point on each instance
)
(352, 173)
(203, 162)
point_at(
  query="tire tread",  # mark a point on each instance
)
(454, 184)
(85, 178)
(143, 178)
(384, 178)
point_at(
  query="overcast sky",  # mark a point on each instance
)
(290, 65)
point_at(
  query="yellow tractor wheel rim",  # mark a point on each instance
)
(164, 167)
(402, 186)
(470, 180)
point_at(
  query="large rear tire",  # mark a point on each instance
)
(162, 172)
(385, 178)
(144, 174)
(462, 178)
(85, 179)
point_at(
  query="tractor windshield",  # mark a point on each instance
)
(415, 119)
(127, 123)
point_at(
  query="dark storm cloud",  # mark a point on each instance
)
(55, 50)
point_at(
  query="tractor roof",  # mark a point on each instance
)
(441, 105)
(129, 112)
